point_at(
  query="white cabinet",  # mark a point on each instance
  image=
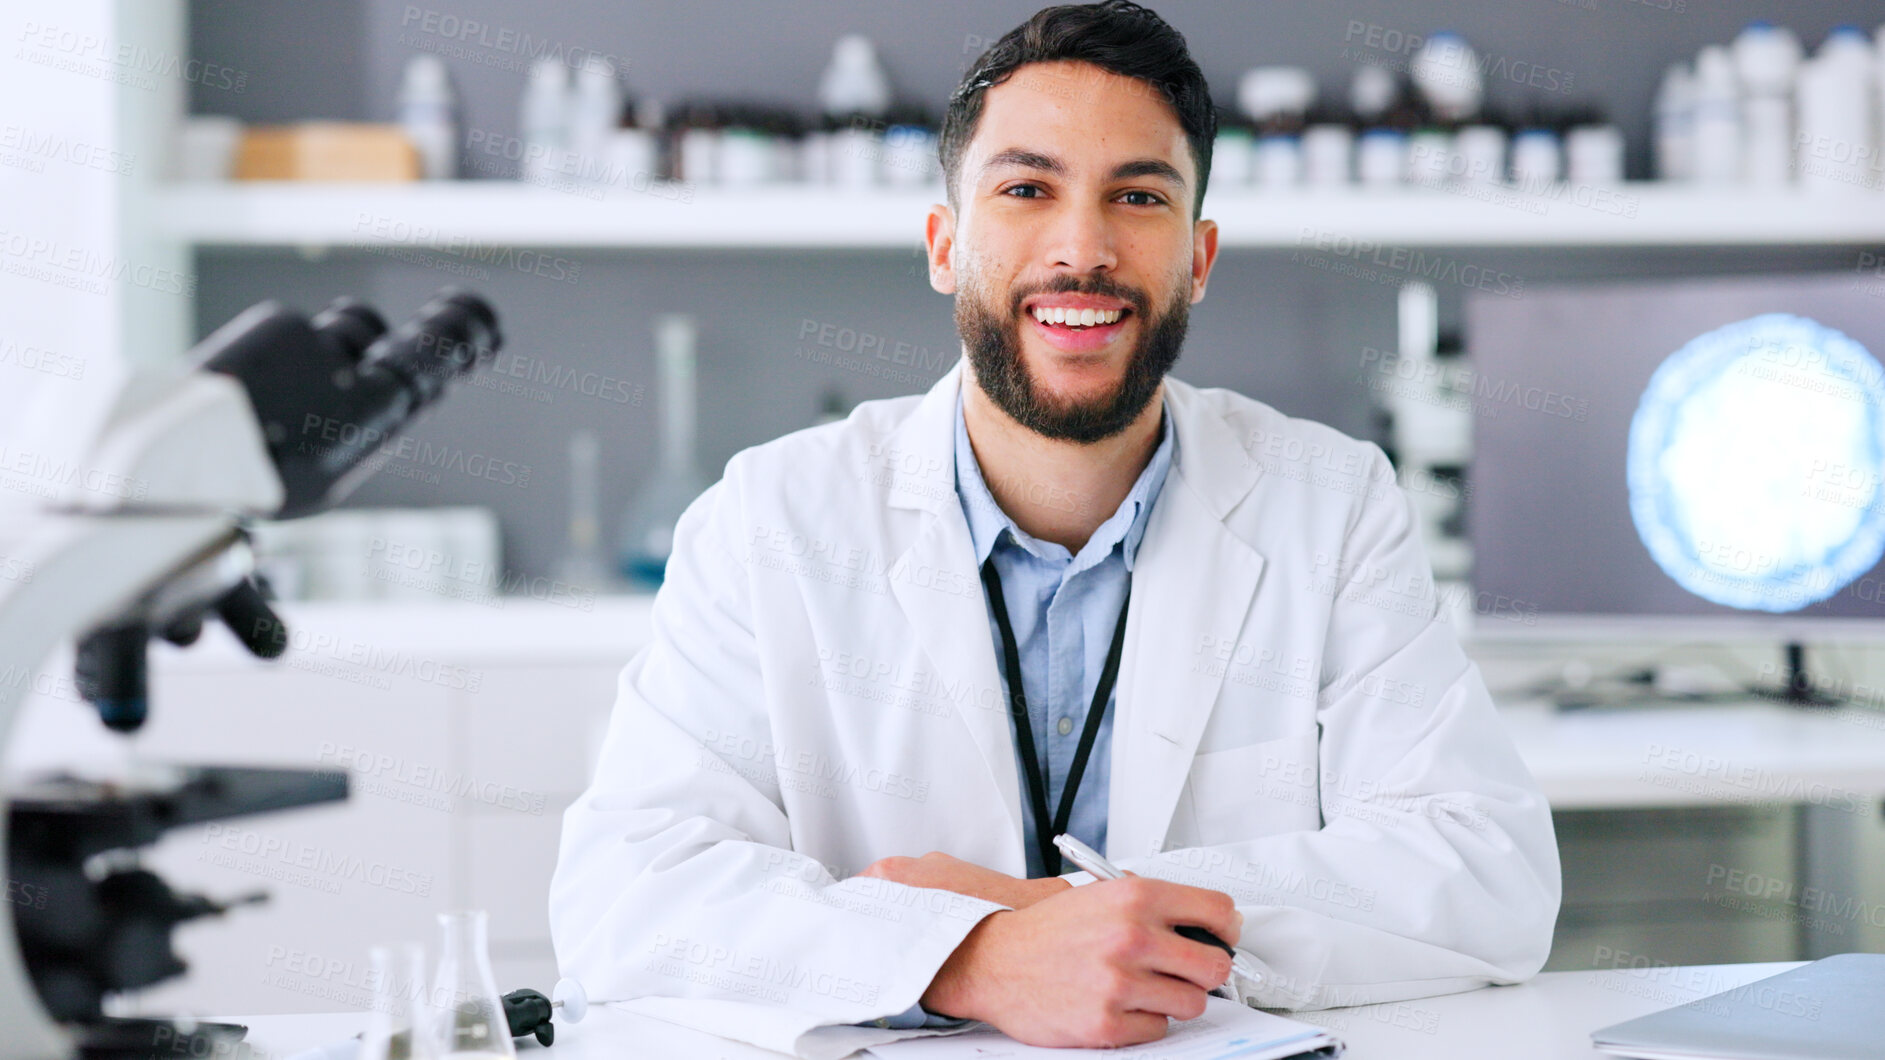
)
(465, 730)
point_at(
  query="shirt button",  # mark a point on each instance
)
(1065, 726)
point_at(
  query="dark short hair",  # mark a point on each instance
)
(1117, 36)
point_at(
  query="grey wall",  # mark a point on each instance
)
(1272, 328)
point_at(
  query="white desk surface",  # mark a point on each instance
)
(1720, 754)
(1549, 1018)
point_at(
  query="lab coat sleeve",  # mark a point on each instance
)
(676, 884)
(1435, 869)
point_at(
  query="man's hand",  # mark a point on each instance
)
(939, 870)
(1096, 966)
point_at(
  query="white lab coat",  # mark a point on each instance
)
(1295, 727)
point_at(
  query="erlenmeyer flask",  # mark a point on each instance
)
(467, 1016)
(397, 974)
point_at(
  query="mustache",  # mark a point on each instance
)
(1099, 286)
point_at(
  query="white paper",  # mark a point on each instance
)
(1228, 1030)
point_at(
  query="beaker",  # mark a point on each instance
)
(467, 1016)
(397, 975)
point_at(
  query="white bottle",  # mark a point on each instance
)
(855, 91)
(631, 155)
(428, 113)
(1275, 99)
(1371, 93)
(1878, 102)
(1381, 158)
(595, 109)
(854, 81)
(1230, 156)
(1593, 155)
(1328, 155)
(1430, 162)
(910, 157)
(1446, 72)
(545, 119)
(1838, 142)
(1675, 124)
(1717, 157)
(1766, 58)
(1537, 159)
(1479, 152)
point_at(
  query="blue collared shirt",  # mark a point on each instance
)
(1062, 607)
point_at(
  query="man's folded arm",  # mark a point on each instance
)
(675, 876)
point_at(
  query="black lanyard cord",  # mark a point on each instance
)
(1024, 728)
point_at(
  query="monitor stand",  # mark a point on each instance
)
(1799, 690)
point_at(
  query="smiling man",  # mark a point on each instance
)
(1061, 592)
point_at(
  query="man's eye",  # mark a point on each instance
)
(1034, 188)
(1145, 198)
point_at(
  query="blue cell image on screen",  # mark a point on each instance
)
(1754, 463)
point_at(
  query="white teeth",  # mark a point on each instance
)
(1085, 318)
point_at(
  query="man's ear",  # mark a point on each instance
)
(1203, 257)
(939, 233)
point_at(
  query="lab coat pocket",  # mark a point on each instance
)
(1256, 790)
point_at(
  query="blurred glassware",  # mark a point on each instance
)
(581, 563)
(467, 1015)
(648, 522)
(396, 972)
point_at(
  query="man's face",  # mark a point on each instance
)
(1075, 198)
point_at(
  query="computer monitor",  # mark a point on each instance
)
(1684, 459)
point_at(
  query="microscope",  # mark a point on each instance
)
(278, 416)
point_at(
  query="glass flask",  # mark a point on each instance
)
(467, 1015)
(649, 521)
(397, 976)
(581, 564)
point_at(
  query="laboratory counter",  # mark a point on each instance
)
(1549, 1018)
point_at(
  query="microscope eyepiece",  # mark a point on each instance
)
(450, 335)
(350, 322)
(331, 391)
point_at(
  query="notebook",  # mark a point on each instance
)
(1228, 1030)
(1832, 1009)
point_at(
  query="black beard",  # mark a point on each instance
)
(994, 347)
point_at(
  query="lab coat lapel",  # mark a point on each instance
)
(1193, 579)
(1193, 584)
(953, 628)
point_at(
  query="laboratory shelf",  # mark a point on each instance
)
(464, 217)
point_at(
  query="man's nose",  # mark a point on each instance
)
(1081, 241)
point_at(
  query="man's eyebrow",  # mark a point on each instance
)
(1017, 156)
(1139, 167)
(1149, 167)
